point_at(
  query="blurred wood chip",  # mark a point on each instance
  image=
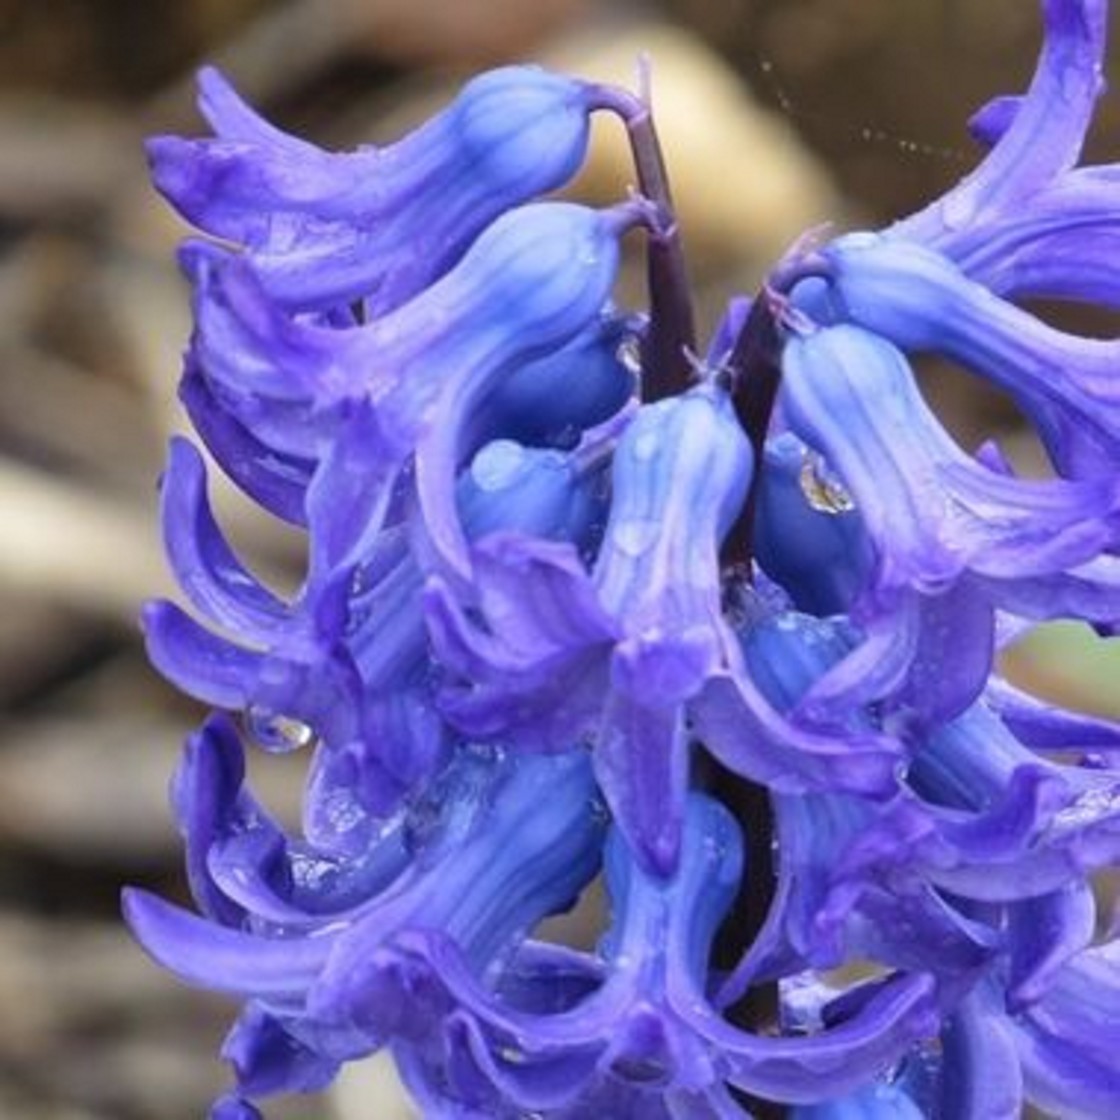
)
(71, 544)
(59, 159)
(90, 791)
(91, 788)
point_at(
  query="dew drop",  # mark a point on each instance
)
(497, 465)
(344, 816)
(277, 733)
(629, 355)
(823, 492)
(1089, 807)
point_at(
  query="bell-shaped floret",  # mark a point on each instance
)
(1063, 245)
(532, 282)
(808, 535)
(645, 624)
(376, 224)
(646, 1023)
(946, 530)
(921, 301)
(577, 398)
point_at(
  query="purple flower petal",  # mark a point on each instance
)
(531, 283)
(326, 228)
(231, 1107)
(748, 735)
(980, 1074)
(1043, 726)
(931, 510)
(476, 886)
(1044, 933)
(837, 1060)
(204, 564)
(920, 301)
(535, 675)
(202, 664)
(278, 482)
(225, 960)
(1069, 1040)
(1043, 137)
(267, 1059)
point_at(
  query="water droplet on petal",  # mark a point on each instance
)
(629, 354)
(823, 491)
(277, 733)
(498, 465)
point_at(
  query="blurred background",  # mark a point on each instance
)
(776, 115)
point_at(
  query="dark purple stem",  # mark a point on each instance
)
(755, 371)
(670, 339)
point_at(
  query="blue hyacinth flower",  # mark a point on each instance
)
(719, 634)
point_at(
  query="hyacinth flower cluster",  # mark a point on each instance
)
(585, 603)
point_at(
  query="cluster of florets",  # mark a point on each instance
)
(575, 596)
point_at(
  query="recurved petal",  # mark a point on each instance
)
(840, 1059)
(932, 511)
(222, 959)
(534, 279)
(1044, 135)
(1069, 1041)
(206, 798)
(207, 569)
(1061, 245)
(1089, 592)
(1044, 726)
(349, 497)
(540, 662)
(267, 1058)
(980, 1073)
(1043, 934)
(278, 482)
(641, 763)
(200, 663)
(749, 735)
(508, 841)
